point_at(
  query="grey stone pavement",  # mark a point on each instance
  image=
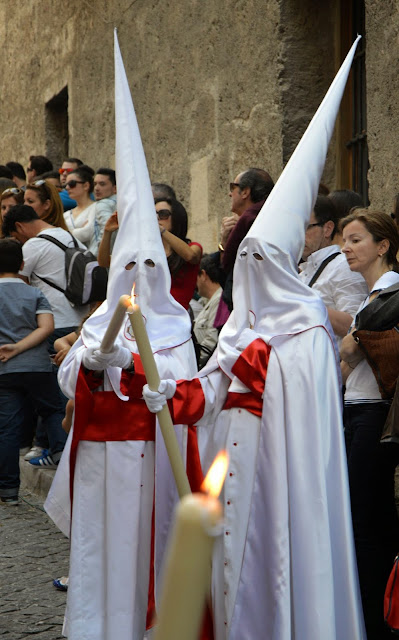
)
(32, 553)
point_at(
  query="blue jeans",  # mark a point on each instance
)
(43, 391)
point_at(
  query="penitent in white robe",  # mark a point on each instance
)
(284, 568)
(111, 523)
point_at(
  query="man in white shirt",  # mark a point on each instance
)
(326, 270)
(43, 259)
(105, 195)
(208, 285)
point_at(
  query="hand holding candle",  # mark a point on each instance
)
(188, 565)
(153, 380)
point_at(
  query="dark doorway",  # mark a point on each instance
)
(56, 128)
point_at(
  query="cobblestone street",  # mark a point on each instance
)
(32, 553)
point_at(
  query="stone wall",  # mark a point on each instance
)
(382, 66)
(217, 87)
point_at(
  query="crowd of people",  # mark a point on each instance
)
(350, 255)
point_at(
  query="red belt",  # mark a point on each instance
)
(248, 401)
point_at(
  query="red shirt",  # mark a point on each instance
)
(185, 281)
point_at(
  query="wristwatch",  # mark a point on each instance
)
(130, 368)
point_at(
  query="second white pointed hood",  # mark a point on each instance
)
(267, 292)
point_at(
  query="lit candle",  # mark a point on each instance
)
(187, 577)
(164, 418)
(114, 326)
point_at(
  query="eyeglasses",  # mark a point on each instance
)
(163, 214)
(393, 215)
(12, 191)
(234, 184)
(314, 224)
(72, 184)
(61, 171)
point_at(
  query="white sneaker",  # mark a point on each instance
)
(35, 452)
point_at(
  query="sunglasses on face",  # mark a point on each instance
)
(12, 191)
(61, 171)
(72, 184)
(29, 169)
(233, 185)
(163, 214)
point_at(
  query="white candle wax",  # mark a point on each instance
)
(164, 419)
(187, 576)
(114, 326)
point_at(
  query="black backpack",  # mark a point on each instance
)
(86, 281)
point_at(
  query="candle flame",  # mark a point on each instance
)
(213, 482)
(132, 295)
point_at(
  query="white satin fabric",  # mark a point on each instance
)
(285, 567)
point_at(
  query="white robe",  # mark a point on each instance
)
(111, 524)
(284, 568)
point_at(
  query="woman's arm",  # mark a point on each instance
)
(62, 346)
(104, 249)
(86, 232)
(189, 254)
(350, 351)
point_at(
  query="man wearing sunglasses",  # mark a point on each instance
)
(248, 194)
(67, 167)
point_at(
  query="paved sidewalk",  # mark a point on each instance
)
(32, 552)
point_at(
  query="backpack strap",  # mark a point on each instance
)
(52, 284)
(322, 267)
(61, 246)
(58, 243)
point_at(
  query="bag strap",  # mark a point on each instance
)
(52, 284)
(322, 267)
(61, 246)
(58, 243)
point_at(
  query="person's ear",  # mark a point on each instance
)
(329, 229)
(384, 246)
(245, 192)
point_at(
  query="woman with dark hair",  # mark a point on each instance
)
(80, 220)
(371, 243)
(183, 255)
(43, 197)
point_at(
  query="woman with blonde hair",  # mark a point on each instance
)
(43, 197)
(371, 243)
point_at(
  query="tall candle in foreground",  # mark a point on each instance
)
(187, 577)
(164, 418)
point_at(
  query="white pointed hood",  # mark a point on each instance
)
(138, 241)
(267, 292)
